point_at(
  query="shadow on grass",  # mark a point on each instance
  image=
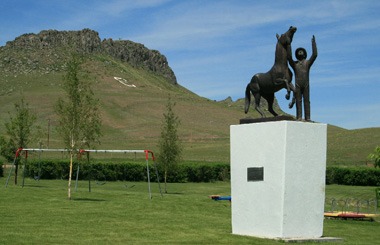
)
(173, 193)
(89, 199)
(35, 186)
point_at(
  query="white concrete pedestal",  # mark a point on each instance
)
(278, 179)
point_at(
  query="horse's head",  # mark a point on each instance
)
(287, 38)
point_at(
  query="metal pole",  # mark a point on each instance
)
(147, 171)
(76, 179)
(10, 172)
(39, 165)
(89, 175)
(23, 172)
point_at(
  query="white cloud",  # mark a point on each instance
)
(119, 7)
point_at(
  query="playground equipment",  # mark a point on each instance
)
(220, 198)
(352, 208)
(351, 215)
(147, 152)
(81, 152)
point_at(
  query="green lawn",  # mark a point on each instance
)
(122, 213)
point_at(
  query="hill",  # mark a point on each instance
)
(133, 84)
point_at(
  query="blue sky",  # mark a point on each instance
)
(215, 47)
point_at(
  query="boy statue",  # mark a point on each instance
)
(301, 70)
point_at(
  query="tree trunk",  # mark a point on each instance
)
(16, 172)
(70, 173)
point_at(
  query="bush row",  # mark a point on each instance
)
(200, 172)
(358, 176)
(128, 171)
(185, 172)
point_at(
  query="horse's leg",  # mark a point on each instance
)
(291, 104)
(280, 81)
(257, 103)
(287, 96)
(270, 100)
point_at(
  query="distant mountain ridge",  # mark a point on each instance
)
(48, 51)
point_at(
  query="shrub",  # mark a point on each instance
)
(358, 176)
(185, 172)
(128, 171)
(49, 169)
(207, 172)
(375, 156)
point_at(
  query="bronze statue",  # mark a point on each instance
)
(301, 70)
(278, 77)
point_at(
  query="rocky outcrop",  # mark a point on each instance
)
(48, 51)
(138, 55)
(85, 41)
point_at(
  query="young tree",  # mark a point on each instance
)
(19, 131)
(170, 147)
(79, 118)
(375, 156)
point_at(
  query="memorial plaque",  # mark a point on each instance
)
(255, 174)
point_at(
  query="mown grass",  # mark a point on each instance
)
(122, 213)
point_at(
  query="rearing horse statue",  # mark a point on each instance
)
(278, 77)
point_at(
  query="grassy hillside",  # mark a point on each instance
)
(132, 116)
(351, 147)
